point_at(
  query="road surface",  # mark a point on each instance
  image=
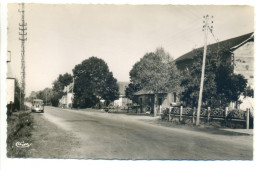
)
(117, 136)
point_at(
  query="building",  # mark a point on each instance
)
(238, 51)
(146, 103)
(122, 101)
(10, 85)
(244, 59)
(67, 99)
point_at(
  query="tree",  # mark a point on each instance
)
(47, 95)
(249, 92)
(32, 96)
(62, 81)
(58, 87)
(221, 85)
(17, 96)
(156, 72)
(131, 89)
(191, 83)
(93, 82)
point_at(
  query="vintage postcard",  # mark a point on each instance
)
(129, 82)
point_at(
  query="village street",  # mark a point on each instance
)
(90, 134)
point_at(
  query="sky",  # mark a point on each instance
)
(61, 36)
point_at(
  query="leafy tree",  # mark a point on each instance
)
(191, 83)
(221, 85)
(17, 96)
(156, 72)
(32, 96)
(131, 89)
(62, 81)
(93, 82)
(58, 87)
(47, 95)
(249, 92)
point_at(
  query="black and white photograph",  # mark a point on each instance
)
(130, 81)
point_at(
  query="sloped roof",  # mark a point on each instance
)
(144, 92)
(226, 45)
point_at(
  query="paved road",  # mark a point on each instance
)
(111, 136)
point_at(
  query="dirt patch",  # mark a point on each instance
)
(50, 141)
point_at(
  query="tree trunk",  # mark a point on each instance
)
(155, 104)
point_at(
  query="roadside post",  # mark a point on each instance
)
(181, 113)
(208, 113)
(193, 115)
(247, 118)
(170, 110)
(226, 113)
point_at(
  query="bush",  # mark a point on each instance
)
(188, 111)
(19, 128)
(236, 114)
(175, 110)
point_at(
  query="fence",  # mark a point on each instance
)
(208, 114)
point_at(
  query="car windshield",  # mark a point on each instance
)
(37, 102)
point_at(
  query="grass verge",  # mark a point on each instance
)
(19, 134)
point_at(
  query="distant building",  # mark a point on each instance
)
(145, 100)
(123, 100)
(67, 99)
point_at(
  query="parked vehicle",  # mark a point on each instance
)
(38, 105)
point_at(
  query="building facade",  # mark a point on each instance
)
(67, 99)
(122, 101)
(238, 51)
(146, 101)
(244, 60)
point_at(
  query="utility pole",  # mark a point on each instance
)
(206, 28)
(22, 38)
(46, 98)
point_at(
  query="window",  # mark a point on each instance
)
(160, 101)
(174, 99)
(247, 67)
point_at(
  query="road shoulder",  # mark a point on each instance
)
(50, 141)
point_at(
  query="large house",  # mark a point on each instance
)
(238, 51)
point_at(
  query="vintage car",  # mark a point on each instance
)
(38, 105)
